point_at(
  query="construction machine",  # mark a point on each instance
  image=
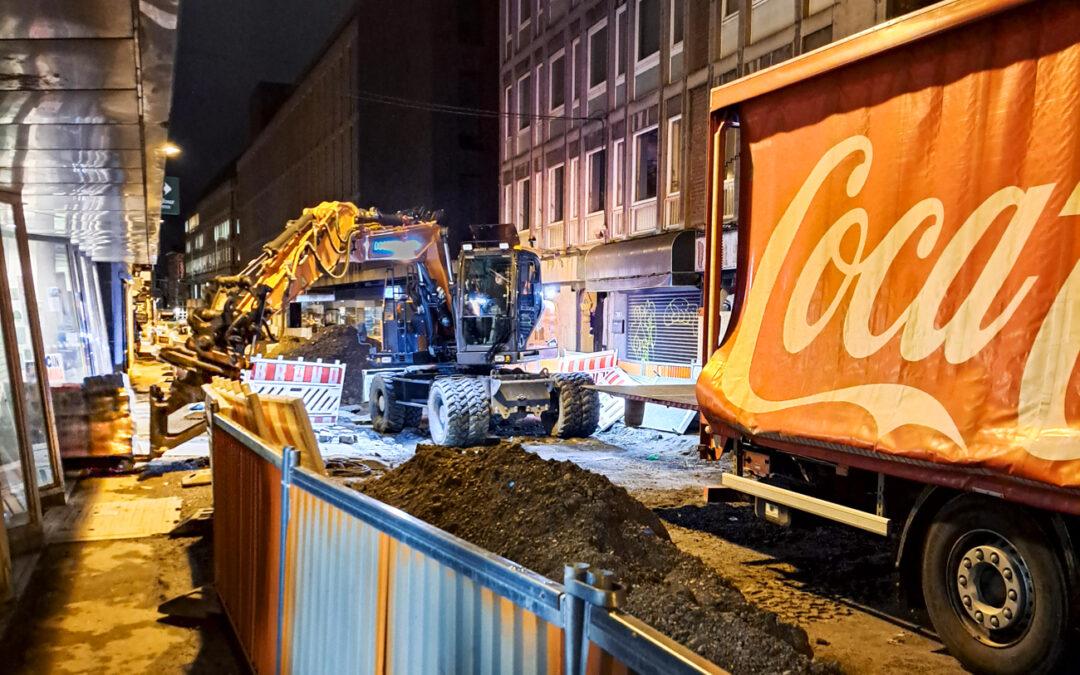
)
(454, 333)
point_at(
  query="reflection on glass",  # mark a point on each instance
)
(61, 328)
(35, 409)
(12, 480)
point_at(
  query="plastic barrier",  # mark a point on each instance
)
(318, 384)
(318, 578)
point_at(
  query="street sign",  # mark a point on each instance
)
(170, 197)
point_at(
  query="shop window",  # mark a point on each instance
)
(61, 324)
(645, 165)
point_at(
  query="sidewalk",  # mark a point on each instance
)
(92, 606)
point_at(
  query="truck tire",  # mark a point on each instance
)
(459, 412)
(387, 415)
(995, 587)
(576, 412)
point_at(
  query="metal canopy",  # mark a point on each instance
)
(647, 262)
(85, 94)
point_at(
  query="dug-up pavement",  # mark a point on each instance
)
(834, 583)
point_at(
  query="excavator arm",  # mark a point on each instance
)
(321, 243)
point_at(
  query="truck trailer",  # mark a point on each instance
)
(902, 353)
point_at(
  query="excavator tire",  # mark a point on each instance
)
(459, 412)
(387, 415)
(575, 410)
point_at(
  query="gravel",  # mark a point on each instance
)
(544, 514)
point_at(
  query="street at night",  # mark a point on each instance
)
(540, 336)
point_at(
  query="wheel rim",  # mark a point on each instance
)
(437, 415)
(380, 403)
(991, 588)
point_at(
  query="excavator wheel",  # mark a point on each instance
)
(575, 410)
(459, 412)
(387, 415)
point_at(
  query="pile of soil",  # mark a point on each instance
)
(544, 514)
(335, 343)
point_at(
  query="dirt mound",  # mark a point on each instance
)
(544, 513)
(335, 343)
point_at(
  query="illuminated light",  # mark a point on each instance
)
(170, 149)
(466, 247)
(504, 245)
(477, 302)
(551, 291)
(397, 249)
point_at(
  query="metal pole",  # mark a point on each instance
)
(574, 624)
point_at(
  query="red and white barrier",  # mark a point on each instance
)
(318, 384)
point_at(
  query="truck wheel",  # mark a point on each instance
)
(387, 415)
(576, 411)
(995, 587)
(459, 412)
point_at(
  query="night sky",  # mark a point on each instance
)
(226, 47)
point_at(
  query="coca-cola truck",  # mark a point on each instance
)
(902, 353)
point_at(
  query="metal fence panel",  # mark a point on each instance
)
(247, 533)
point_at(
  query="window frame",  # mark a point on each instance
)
(508, 102)
(637, 166)
(590, 165)
(672, 145)
(524, 120)
(618, 173)
(652, 60)
(676, 48)
(561, 108)
(620, 49)
(523, 210)
(601, 88)
(575, 47)
(552, 193)
(522, 25)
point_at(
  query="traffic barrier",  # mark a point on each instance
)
(318, 578)
(318, 384)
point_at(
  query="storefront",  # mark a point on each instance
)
(646, 295)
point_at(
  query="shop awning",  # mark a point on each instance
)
(85, 93)
(649, 262)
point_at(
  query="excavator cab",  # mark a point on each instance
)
(498, 303)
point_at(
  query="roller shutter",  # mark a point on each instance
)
(663, 325)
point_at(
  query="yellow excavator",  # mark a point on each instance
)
(453, 334)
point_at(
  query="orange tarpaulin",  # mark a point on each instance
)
(911, 228)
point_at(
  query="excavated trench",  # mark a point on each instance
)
(545, 513)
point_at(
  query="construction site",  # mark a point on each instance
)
(731, 337)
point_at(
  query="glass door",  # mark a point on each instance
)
(41, 426)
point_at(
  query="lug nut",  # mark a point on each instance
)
(1012, 595)
(994, 621)
(1008, 613)
(963, 580)
(967, 563)
(1007, 573)
(978, 616)
(979, 554)
(967, 601)
(994, 558)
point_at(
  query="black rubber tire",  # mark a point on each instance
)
(459, 411)
(962, 522)
(387, 415)
(575, 410)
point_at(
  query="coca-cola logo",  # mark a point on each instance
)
(1041, 425)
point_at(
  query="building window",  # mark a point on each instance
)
(524, 12)
(677, 9)
(573, 188)
(645, 158)
(817, 39)
(597, 167)
(192, 223)
(597, 58)
(620, 43)
(508, 121)
(524, 205)
(556, 193)
(557, 82)
(648, 33)
(619, 170)
(674, 155)
(575, 68)
(508, 203)
(525, 103)
(731, 7)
